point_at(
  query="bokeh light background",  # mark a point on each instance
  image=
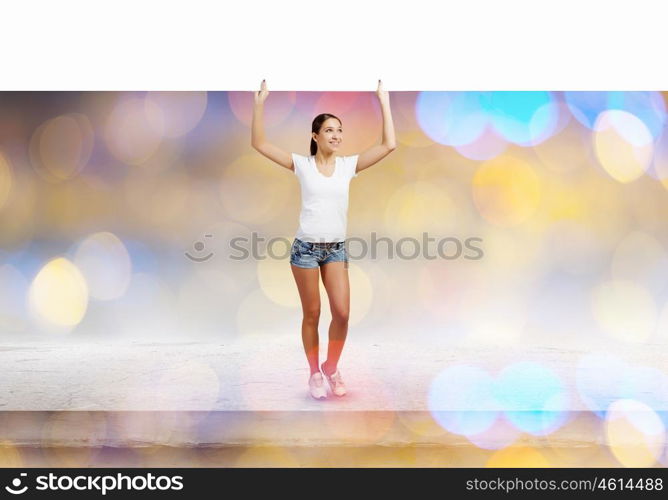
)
(102, 194)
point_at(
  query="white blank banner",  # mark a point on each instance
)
(338, 46)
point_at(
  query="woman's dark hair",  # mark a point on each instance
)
(315, 127)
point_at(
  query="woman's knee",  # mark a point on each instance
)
(312, 313)
(340, 315)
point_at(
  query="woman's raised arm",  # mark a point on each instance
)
(388, 142)
(258, 140)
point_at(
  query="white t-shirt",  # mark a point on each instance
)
(324, 211)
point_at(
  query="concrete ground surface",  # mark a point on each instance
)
(268, 373)
(245, 403)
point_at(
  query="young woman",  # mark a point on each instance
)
(319, 245)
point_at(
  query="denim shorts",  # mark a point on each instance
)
(311, 255)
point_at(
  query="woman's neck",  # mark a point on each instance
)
(325, 160)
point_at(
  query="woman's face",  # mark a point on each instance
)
(330, 137)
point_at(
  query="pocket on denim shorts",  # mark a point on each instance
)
(303, 246)
(294, 251)
(299, 248)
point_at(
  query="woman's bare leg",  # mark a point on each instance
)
(309, 294)
(335, 279)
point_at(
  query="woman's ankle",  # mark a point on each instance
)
(327, 368)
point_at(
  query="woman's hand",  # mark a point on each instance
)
(261, 95)
(383, 95)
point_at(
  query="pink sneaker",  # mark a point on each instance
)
(317, 386)
(335, 382)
